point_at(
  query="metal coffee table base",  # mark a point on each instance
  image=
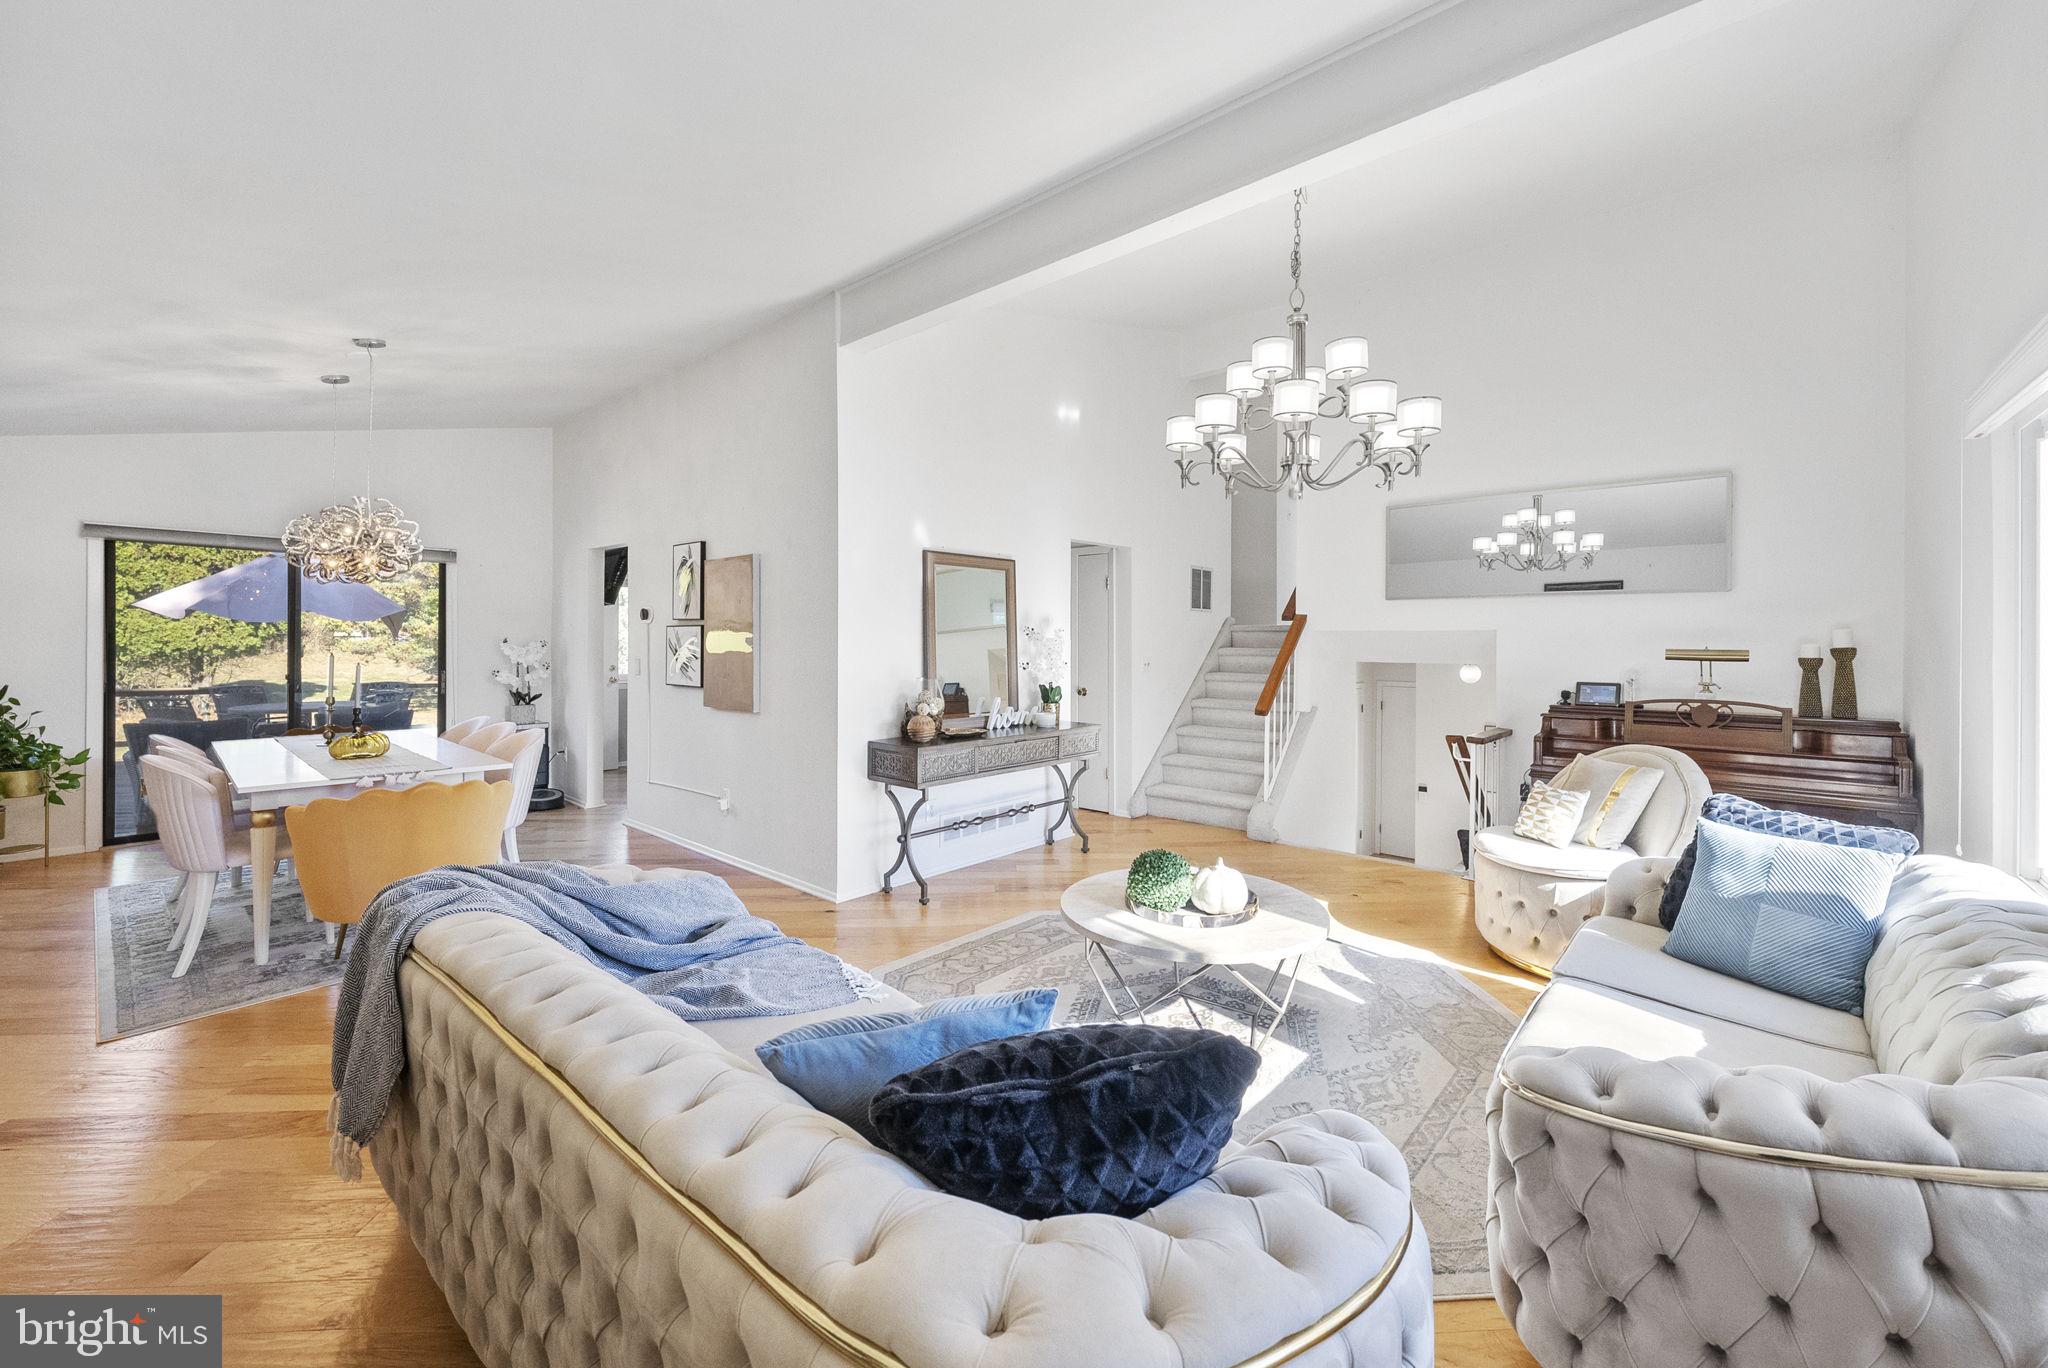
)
(1137, 1011)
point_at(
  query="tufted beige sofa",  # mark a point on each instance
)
(1691, 1170)
(591, 1180)
(1529, 899)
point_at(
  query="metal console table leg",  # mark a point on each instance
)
(903, 835)
(1068, 813)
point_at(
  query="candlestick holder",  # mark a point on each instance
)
(1845, 682)
(1809, 687)
(328, 731)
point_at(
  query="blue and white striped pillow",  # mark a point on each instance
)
(1797, 916)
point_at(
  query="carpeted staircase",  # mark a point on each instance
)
(1213, 770)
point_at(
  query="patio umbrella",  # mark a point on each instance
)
(256, 592)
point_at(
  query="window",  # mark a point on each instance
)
(208, 643)
(1201, 589)
(2031, 702)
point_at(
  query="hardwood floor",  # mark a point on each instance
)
(194, 1159)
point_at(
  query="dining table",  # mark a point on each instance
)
(272, 773)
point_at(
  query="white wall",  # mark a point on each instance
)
(1751, 326)
(737, 450)
(482, 493)
(954, 438)
(1977, 205)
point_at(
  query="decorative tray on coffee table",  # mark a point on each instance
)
(1188, 915)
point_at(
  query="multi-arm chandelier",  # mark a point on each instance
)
(1277, 388)
(366, 539)
(1531, 539)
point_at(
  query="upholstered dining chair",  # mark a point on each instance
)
(348, 850)
(459, 732)
(488, 735)
(1529, 899)
(196, 828)
(160, 744)
(522, 748)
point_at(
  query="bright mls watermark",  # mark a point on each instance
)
(164, 1332)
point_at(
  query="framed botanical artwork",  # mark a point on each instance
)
(686, 655)
(686, 580)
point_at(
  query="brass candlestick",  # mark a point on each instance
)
(1845, 681)
(1809, 687)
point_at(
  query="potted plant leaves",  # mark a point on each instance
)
(30, 762)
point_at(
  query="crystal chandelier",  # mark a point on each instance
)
(1277, 388)
(366, 539)
(1531, 539)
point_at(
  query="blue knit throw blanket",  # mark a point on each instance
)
(688, 944)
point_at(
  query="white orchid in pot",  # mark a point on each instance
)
(1045, 660)
(524, 680)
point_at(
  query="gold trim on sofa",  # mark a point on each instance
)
(848, 1342)
(1769, 1154)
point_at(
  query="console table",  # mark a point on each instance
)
(900, 764)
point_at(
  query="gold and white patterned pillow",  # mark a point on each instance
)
(1550, 815)
(1616, 795)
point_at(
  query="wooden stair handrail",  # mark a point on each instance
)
(1297, 623)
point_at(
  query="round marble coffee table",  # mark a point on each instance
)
(1288, 926)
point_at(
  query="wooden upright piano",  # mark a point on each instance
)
(1850, 770)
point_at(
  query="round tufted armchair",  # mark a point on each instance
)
(1529, 899)
(593, 1181)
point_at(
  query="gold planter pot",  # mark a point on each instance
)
(20, 783)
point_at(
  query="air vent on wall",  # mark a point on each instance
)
(1201, 588)
(1584, 587)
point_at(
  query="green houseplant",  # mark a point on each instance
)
(29, 761)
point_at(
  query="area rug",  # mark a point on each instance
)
(136, 991)
(1376, 1028)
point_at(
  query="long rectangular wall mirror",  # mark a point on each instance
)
(970, 624)
(1654, 537)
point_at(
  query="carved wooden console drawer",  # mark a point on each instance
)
(899, 762)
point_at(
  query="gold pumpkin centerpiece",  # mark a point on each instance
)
(359, 746)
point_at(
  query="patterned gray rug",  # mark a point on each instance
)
(1375, 1028)
(136, 991)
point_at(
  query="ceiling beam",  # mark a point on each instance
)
(1450, 65)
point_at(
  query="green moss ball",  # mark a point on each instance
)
(1161, 880)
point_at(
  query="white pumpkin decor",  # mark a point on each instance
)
(1220, 890)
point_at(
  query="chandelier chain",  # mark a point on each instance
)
(1296, 300)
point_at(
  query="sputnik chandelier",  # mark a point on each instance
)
(1277, 388)
(1531, 539)
(366, 539)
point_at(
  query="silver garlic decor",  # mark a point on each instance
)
(366, 539)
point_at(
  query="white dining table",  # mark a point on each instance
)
(270, 778)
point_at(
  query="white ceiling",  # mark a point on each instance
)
(1787, 81)
(537, 203)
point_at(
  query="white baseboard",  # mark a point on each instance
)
(713, 853)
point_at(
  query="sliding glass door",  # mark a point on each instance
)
(209, 643)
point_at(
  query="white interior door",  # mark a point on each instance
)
(1395, 794)
(1093, 572)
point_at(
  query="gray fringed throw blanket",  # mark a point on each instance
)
(688, 943)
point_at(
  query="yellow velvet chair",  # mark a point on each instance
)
(348, 850)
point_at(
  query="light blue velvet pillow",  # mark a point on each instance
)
(1796, 916)
(839, 1065)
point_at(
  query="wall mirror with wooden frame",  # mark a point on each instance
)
(970, 624)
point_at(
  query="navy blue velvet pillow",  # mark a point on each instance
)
(1741, 813)
(1104, 1118)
